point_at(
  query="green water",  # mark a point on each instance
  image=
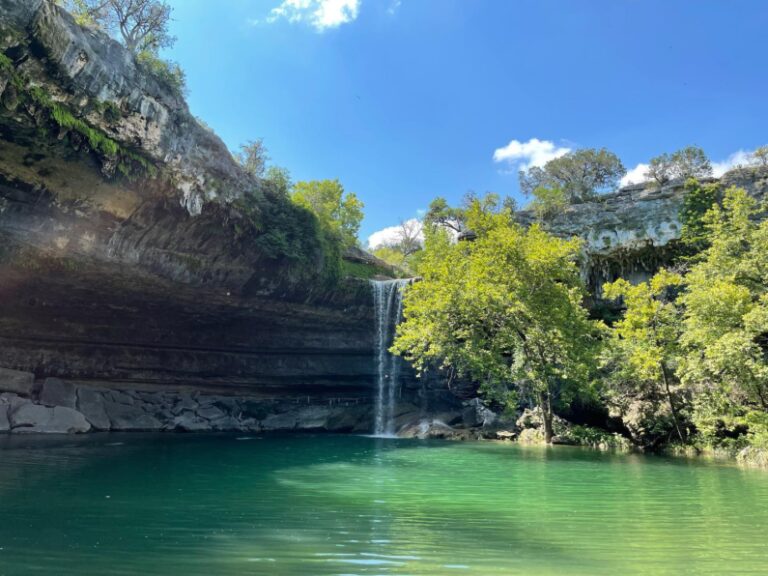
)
(224, 505)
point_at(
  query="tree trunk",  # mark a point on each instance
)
(672, 407)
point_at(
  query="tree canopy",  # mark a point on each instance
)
(580, 175)
(504, 310)
(338, 211)
(688, 162)
(142, 25)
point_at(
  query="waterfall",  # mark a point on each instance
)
(388, 307)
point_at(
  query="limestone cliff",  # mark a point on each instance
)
(633, 232)
(133, 248)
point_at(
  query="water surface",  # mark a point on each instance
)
(225, 505)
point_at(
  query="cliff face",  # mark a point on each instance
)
(633, 232)
(128, 253)
(168, 288)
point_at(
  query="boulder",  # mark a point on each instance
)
(122, 397)
(284, 421)
(186, 402)
(33, 418)
(350, 419)
(18, 382)
(56, 392)
(129, 417)
(91, 403)
(211, 412)
(188, 421)
(313, 418)
(476, 413)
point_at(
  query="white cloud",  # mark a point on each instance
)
(635, 176)
(391, 235)
(524, 155)
(320, 14)
(739, 158)
(394, 5)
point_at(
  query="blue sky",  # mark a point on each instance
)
(404, 101)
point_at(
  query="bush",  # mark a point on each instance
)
(169, 74)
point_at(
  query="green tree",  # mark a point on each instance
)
(142, 25)
(441, 214)
(759, 157)
(390, 255)
(278, 180)
(643, 349)
(548, 202)
(253, 157)
(580, 175)
(697, 202)
(338, 212)
(688, 162)
(504, 310)
(726, 312)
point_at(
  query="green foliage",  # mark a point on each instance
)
(725, 334)
(284, 231)
(594, 438)
(110, 111)
(362, 270)
(759, 156)
(168, 74)
(643, 349)
(580, 174)
(141, 25)
(390, 255)
(698, 200)
(339, 213)
(128, 162)
(278, 180)
(253, 157)
(504, 310)
(688, 162)
(6, 64)
(548, 202)
(441, 214)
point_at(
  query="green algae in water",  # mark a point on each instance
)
(241, 505)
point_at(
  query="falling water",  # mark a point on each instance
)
(388, 307)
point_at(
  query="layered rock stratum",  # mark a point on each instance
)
(148, 282)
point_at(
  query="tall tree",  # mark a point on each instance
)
(688, 162)
(504, 310)
(141, 24)
(338, 211)
(726, 309)
(580, 175)
(645, 344)
(253, 157)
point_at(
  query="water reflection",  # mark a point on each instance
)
(339, 505)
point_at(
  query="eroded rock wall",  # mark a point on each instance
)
(635, 231)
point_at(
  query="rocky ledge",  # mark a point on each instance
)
(135, 252)
(633, 232)
(55, 406)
